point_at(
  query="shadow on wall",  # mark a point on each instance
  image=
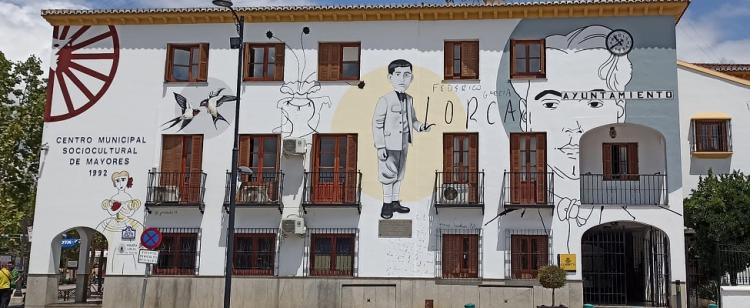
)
(293, 180)
(701, 166)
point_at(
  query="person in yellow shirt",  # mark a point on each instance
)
(5, 291)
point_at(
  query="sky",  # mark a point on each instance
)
(710, 31)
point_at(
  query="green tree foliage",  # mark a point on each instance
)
(551, 277)
(719, 212)
(22, 96)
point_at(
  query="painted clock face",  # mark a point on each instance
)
(619, 42)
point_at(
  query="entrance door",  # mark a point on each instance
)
(528, 165)
(334, 176)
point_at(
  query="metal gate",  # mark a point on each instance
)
(625, 266)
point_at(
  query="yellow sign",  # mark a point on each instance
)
(567, 262)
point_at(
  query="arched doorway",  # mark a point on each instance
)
(80, 257)
(625, 263)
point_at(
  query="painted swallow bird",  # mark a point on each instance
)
(213, 102)
(188, 113)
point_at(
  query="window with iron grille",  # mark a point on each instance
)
(187, 62)
(620, 161)
(527, 59)
(264, 61)
(526, 252)
(255, 252)
(333, 252)
(178, 252)
(459, 253)
(461, 60)
(711, 136)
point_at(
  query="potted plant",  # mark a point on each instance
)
(551, 277)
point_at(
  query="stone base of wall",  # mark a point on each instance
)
(292, 292)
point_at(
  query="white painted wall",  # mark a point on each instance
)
(700, 92)
(138, 102)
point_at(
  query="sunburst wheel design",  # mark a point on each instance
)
(84, 65)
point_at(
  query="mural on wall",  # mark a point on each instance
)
(604, 68)
(188, 113)
(83, 68)
(393, 123)
(300, 107)
(120, 228)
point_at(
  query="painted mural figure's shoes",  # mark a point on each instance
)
(387, 211)
(398, 208)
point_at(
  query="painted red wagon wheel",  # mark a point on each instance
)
(72, 62)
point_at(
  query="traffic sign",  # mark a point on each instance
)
(148, 256)
(151, 238)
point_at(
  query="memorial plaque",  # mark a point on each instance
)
(394, 228)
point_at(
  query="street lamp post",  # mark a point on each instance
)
(236, 43)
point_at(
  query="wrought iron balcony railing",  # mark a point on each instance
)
(263, 189)
(176, 189)
(529, 189)
(332, 189)
(459, 189)
(628, 189)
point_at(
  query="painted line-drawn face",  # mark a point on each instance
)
(121, 182)
(401, 78)
(579, 62)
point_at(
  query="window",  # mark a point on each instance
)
(461, 60)
(177, 252)
(460, 254)
(334, 165)
(254, 252)
(460, 179)
(527, 57)
(187, 62)
(260, 153)
(264, 61)
(332, 254)
(181, 172)
(620, 161)
(711, 136)
(338, 61)
(528, 254)
(528, 165)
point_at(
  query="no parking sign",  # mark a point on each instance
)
(151, 238)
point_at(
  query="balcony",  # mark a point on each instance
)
(630, 189)
(332, 190)
(458, 190)
(528, 190)
(257, 190)
(175, 189)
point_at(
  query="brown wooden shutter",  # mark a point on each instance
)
(246, 59)
(541, 252)
(171, 160)
(515, 166)
(334, 62)
(203, 76)
(169, 63)
(195, 177)
(541, 167)
(473, 256)
(323, 66)
(280, 52)
(350, 192)
(607, 160)
(633, 161)
(245, 152)
(470, 60)
(447, 157)
(448, 60)
(451, 251)
(473, 167)
(515, 258)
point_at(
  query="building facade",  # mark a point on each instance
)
(391, 155)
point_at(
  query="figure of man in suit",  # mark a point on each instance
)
(393, 122)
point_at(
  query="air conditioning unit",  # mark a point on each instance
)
(294, 146)
(294, 225)
(454, 193)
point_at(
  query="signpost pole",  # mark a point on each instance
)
(145, 282)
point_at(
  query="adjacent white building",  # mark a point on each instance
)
(410, 155)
